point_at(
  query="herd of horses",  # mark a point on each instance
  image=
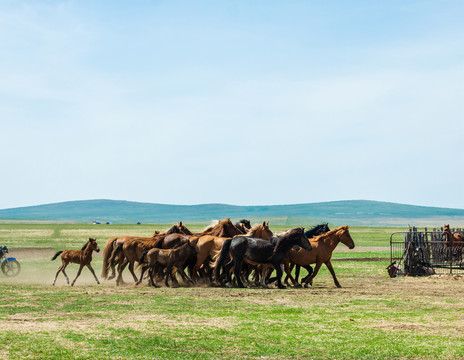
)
(224, 254)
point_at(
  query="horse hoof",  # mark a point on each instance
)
(305, 285)
(298, 286)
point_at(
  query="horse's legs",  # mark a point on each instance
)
(78, 273)
(150, 273)
(168, 273)
(227, 268)
(56, 275)
(310, 279)
(183, 274)
(131, 269)
(64, 272)
(288, 271)
(93, 272)
(329, 266)
(290, 267)
(297, 272)
(309, 269)
(119, 280)
(279, 274)
(237, 271)
(141, 275)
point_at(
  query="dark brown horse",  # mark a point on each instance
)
(82, 257)
(168, 258)
(321, 253)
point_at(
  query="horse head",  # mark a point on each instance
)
(93, 244)
(260, 231)
(183, 229)
(294, 236)
(345, 237)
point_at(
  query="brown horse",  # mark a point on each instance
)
(321, 253)
(210, 244)
(454, 241)
(82, 257)
(168, 258)
(115, 243)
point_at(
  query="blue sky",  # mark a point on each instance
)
(247, 103)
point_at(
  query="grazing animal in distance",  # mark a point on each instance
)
(82, 257)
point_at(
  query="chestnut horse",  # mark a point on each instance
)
(323, 246)
(454, 241)
(82, 257)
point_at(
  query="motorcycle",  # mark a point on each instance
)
(10, 266)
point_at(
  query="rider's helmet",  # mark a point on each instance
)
(4, 249)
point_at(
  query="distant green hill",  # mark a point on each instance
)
(354, 212)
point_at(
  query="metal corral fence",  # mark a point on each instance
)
(424, 253)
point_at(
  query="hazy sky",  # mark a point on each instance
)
(239, 102)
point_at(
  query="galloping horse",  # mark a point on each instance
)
(454, 241)
(323, 246)
(82, 257)
(314, 231)
(259, 251)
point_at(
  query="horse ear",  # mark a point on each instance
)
(180, 223)
(267, 223)
(264, 223)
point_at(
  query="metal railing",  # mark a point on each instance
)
(425, 253)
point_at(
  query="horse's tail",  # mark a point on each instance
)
(56, 255)
(222, 256)
(116, 251)
(143, 256)
(106, 255)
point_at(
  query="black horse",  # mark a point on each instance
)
(243, 225)
(314, 231)
(259, 251)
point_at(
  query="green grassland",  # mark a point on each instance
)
(371, 317)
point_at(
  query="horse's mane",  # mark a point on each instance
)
(83, 248)
(329, 233)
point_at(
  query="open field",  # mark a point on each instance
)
(371, 317)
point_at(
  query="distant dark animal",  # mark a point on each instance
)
(259, 251)
(82, 257)
(168, 258)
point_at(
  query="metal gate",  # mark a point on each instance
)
(425, 253)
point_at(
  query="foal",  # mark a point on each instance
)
(169, 258)
(82, 257)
